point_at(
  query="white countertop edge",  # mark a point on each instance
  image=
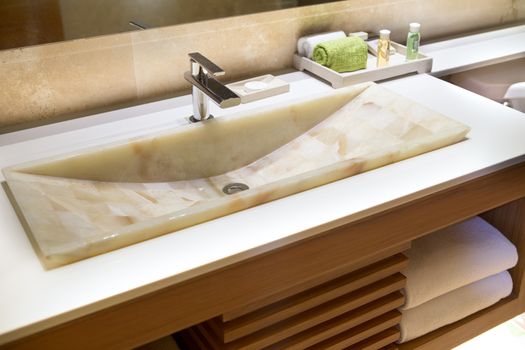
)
(473, 38)
(462, 67)
(474, 51)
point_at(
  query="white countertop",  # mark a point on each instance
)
(474, 51)
(32, 299)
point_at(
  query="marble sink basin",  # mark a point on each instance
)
(83, 204)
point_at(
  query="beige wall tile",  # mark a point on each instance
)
(47, 82)
(61, 79)
(252, 49)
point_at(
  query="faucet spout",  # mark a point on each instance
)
(205, 87)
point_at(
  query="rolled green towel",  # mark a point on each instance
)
(342, 55)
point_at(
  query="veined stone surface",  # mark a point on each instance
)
(105, 198)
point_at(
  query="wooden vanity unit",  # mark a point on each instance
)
(339, 289)
(333, 282)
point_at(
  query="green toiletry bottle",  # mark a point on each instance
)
(413, 39)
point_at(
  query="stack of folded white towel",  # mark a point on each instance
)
(454, 273)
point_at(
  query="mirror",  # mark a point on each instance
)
(33, 22)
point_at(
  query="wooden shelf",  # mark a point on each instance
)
(509, 219)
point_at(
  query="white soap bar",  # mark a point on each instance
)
(255, 86)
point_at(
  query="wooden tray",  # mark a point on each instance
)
(397, 67)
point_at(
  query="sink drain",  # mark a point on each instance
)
(234, 188)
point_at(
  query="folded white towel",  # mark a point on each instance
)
(454, 306)
(307, 44)
(454, 257)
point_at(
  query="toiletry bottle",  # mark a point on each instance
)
(383, 48)
(413, 39)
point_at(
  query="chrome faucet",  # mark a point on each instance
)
(205, 86)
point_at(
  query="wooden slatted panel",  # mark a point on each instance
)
(355, 327)
(377, 341)
(309, 319)
(353, 335)
(314, 281)
(292, 306)
(381, 312)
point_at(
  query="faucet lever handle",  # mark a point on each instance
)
(209, 66)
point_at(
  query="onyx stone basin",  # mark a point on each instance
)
(90, 202)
